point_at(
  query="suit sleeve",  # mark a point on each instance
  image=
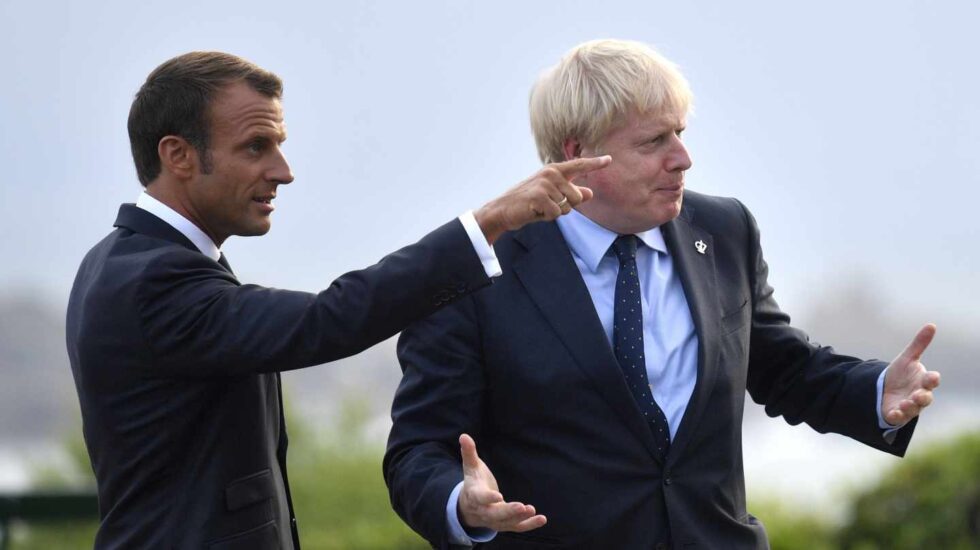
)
(199, 321)
(441, 396)
(805, 382)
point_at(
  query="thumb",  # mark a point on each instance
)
(921, 341)
(467, 449)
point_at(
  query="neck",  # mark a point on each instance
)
(169, 194)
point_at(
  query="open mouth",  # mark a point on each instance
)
(265, 203)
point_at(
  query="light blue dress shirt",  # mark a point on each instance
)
(670, 341)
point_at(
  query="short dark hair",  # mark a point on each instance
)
(175, 100)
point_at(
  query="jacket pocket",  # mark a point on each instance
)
(735, 319)
(249, 490)
(758, 530)
(263, 537)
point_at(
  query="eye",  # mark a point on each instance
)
(256, 146)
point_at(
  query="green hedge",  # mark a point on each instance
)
(929, 500)
(339, 495)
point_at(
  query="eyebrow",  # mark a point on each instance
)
(266, 134)
(666, 129)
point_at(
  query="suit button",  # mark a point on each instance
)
(667, 480)
(442, 297)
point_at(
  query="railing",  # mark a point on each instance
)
(44, 506)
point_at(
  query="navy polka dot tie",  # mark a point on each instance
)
(628, 340)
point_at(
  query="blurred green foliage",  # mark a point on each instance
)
(931, 499)
(339, 495)
(338, 492)
(69, 535)
(790, 528)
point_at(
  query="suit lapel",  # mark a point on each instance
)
(697, 274)
(140, 221)
(552, 280)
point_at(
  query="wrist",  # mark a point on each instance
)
(488, 219)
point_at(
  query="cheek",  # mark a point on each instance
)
(602, 182)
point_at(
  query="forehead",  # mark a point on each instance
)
(238, 107)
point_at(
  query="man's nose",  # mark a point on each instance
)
(679, 159)
(280, 172)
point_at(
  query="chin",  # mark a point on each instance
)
(256, 230)
(665, 213)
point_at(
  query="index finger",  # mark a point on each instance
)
(583, 165)
(921, 341)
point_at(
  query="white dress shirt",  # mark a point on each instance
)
(180, 223)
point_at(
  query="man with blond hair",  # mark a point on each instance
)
(605, 372)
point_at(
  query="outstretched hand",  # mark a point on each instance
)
(544, 196)
(908, 385)
(480, 503)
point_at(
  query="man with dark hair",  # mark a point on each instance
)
(174, 101)
(176, 363)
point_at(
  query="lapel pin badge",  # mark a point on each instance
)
(701, 246)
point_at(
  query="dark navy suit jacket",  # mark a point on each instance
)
(525, 367)
(176, 365)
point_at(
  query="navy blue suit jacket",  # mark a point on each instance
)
(176, 365)
(526, 368)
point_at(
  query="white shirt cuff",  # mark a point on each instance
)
(889, 430)
(483, 249)
(457, 534)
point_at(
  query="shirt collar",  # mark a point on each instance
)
(180, 223)
(590, 241)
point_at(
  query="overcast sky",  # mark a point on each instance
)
(851, 129)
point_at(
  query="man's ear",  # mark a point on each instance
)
(178, 157)
(572, 149)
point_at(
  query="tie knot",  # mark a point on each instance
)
(625, 247)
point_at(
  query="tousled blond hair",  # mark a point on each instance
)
(594, 86)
